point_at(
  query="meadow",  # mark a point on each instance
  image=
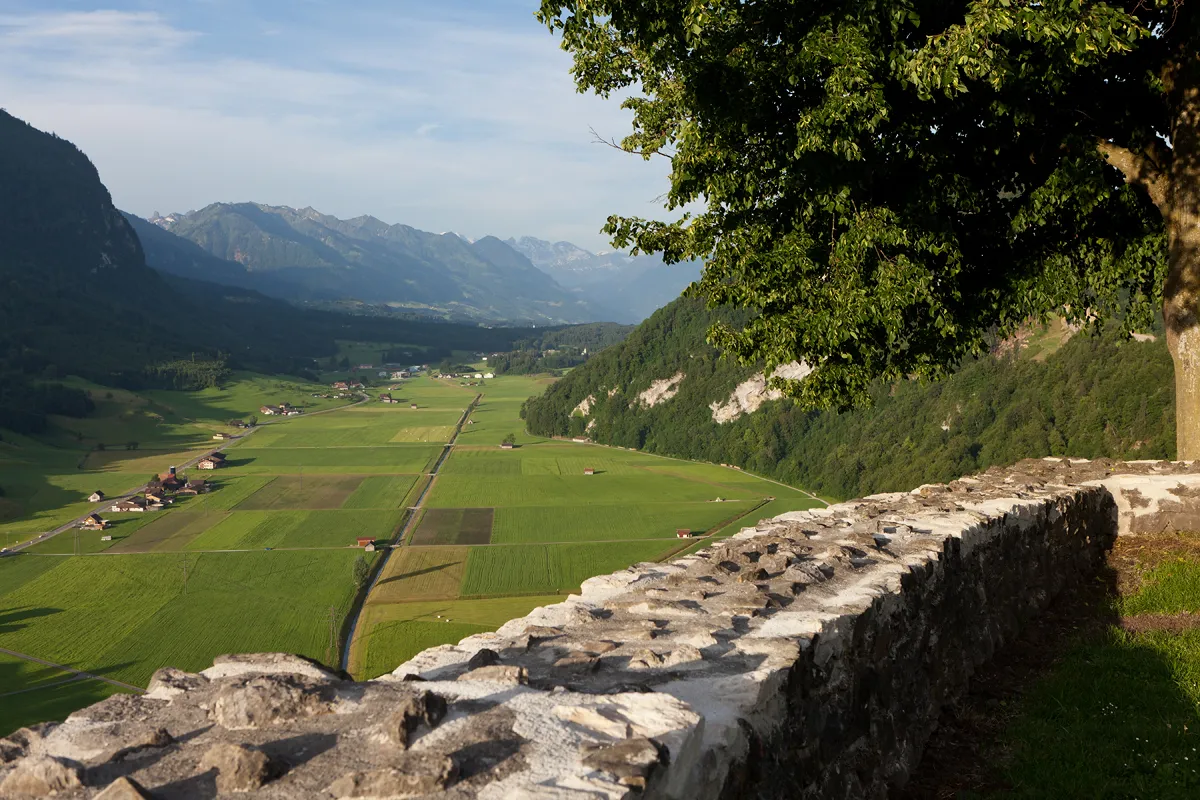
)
(514, 529)
(266, 560)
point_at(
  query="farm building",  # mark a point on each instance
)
(366, 541)
(211, 461)
(127, 506)
(221, 437)
(413, 406)
(589, 471)
(268, 411)
(96, 496)
(506, 446)
(683, 533)
(580, 440)
(489, 374)
(198, 486)
(387, 398)
(94, 522)
(159, 497)
(341, 385)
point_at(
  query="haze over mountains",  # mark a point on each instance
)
(635, 285)
(305, 256)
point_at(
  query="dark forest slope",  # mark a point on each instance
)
(1093, 397)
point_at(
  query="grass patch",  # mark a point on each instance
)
(424, 433)
(302, 492)
(449, 526)
(170, 531)
(1169, 588)
(1117, 718)
(392, 634)
(608, 522)
(124, 617)
(395, 458)
(251, 530)
(420, 573)
(530, 569)
(381, 491)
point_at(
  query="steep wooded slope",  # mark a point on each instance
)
(1092, 397)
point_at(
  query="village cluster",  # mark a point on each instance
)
(157, 494)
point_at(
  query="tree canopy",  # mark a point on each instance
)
(887, 184)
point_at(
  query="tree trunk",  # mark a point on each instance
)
(1181, 298)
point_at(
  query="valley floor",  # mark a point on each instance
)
(268, 560)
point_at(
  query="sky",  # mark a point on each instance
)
(441, 114)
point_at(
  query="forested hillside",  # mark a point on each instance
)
(1093, 397)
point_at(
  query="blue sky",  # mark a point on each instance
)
(441, 114)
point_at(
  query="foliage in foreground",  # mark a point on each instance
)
(885, 184)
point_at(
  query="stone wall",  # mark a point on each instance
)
(809, 656)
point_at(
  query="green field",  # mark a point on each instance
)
(125, 616)
(542, 569)
(398, 631)
(454, 526)
(266, 559)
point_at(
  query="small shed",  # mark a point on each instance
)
(589, 471)
(506, 445)
(683, 533)
(413, 406)
(96, 496)
(366, 541)
(221, 437)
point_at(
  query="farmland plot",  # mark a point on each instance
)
(397, 458)
(454, 526)
(458, 490)
(170, 531)
(381, 491)
(607, 522)
(301, 492)
(530, 569)
(251, 530)
(240, 602)
(421, 573)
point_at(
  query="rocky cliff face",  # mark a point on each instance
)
(807, 657)
(59, 220)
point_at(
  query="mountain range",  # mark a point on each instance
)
(304, 255)
(634, 286)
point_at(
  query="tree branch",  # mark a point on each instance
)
(1139, 170)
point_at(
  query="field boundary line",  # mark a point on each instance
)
(76, 672)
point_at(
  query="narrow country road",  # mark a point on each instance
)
(410, 519)
(75, 672)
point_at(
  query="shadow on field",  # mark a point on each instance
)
(417, 572)
(9, 618)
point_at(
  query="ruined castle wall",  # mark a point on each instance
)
(809, 656)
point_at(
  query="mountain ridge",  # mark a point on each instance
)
(639, 285)
(319, 257)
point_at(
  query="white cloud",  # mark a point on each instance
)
(436, 124)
